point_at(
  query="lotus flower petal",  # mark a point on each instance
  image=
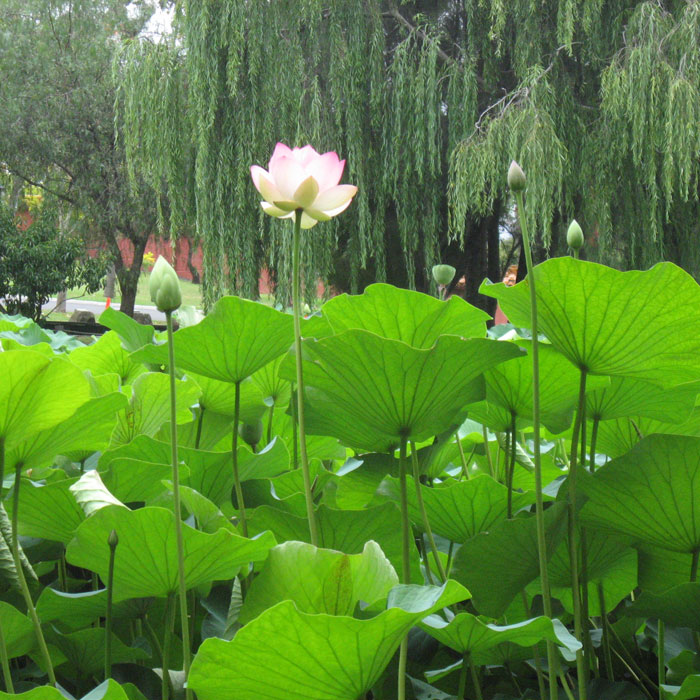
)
(306, 155)
(272, 210)
(327, 170)
(266, 186)
(318, 214)
(307, 221)
(306, 193)
(281, 151)
(287, 174)
(285, 205)
(334, 212)
(335, 197)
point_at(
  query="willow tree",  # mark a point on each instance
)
(428, 101)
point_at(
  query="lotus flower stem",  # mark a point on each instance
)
(511, 466)
(23, 581)
(475, 679)
(270, 416)
(112, 541)
(405, 561)
(594, 439)
(489, 459)
(661, 658)
(465, 466)
(234, 456)
(462, 687)
(424, 514)
(552, 658)
(7, 676)
(182, 589)
(607, 655)
(200, 421)
(167, 643)
(581, 662)
(296, 302)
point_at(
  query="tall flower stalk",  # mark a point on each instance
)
(517, 184)
(302, 185)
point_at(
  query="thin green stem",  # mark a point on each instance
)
(7, 676)
(475, 679)
(511, 466)
(535, 649)
(661, 658)
(234, 456)
(450, 550)
(552, 658)
(270, 416)
(594, 439)
(182, 588)
(112, 542)
(462, 688)
(694, 566)
(607, 655)
(581, 662)
(405, 561)
(465, 466)
(23, 581)
(489, 458)
(200, 421)
(424, 514)
(156, 648)
(632, 665)
(296, 284)
(167, 643)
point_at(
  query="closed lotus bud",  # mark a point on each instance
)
(516, 177)
(574, 236)
(443, 274)
(251, 433)
(164, 286)
(113, 539)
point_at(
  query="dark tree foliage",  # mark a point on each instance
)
(38, 262)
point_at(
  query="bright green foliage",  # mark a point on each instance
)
(679, 606)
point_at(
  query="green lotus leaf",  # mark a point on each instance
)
(650, 494)
(91, 494)
(401, 314)
(149, 406)
(460, 510)
(135, 480)
(134, 335)
(17, 631)
(107, 356)
(689, 690)
(467, 634)
(320, 580)
(36, 394)
(235, 339)
(678, 606)
(634, 324)
(274, 388)
(660, 569)
(496, 565)
(146, 559)
(49, 511)
(371, 392)
(310, 656)
(219, 397)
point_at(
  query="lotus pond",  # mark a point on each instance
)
(425, 578)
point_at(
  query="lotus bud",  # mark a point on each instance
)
(251, 433)
(443, 274)
(574, 236)
(164, 286)
(113, 539)
(516, 177)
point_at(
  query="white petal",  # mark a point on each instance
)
(287, 175)
(267, 188)
(327, 170)
(335, 197)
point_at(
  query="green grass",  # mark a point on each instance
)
(191, 293)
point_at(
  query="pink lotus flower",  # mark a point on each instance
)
(301, 178)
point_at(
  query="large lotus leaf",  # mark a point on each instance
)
(467, 634)
(146, 559)
(236, 338)
(679, 606)
(689, 690)
(631, 397)
(134, 335)
(149, 406)
(320, 580)
(618, 436)
(107, 356)
(509, 386)
(635, 324)
(50, 512)
(36, 394)
(343, 530)
(220, 397)
(207, 514)
(357, 481)
(660, 569)
(78, 610)
(88, 430)
(461, 509)
(91, 494)
(85, 650)
(370, 392)
(274, 388)
(310, 657)
(650, 494)
(401, 314)
(609, 561)
(109, 690)
(17, 630)
(135, 480)
(498, 564)
(214, 429)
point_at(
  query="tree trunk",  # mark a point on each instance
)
(110, 282)
(129, 276)
(191, 245)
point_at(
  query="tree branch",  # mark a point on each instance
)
(42, 186)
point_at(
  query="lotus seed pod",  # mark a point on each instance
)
(113, 539)
(168, 294)
(443, 274)
(574, 236)
(156, 276)
(516, 177)
(251, 433)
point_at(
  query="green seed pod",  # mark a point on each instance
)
(574, 236)
(443, 274)
(251, 433)
(516, 177)
(168, 296)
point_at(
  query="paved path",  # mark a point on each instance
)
(97, 307)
